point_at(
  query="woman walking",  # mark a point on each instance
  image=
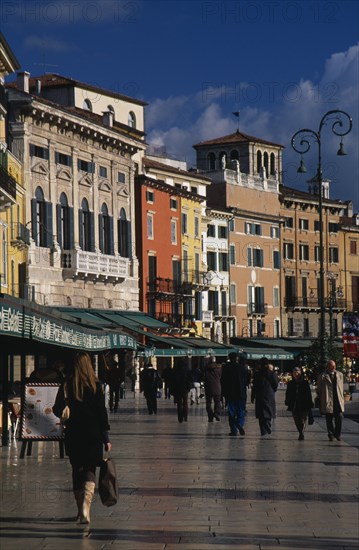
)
(86, 430)
(298, 399)
(182, 383)
(265, 384)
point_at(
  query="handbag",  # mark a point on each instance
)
(107, 483)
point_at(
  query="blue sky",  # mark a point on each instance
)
(282, 63)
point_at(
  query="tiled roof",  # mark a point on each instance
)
(55, 80)
(236, 137)
(149, 163)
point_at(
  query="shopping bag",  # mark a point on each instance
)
(107, 483)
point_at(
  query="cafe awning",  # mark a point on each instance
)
(277, 354)
(31, 322)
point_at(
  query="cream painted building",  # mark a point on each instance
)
(246, 174)
(300, 244)
(80, 147)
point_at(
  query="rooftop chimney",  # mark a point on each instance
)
(23, 81)
(107, 118)
(38, 87)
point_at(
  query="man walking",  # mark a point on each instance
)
(150, 382)
(330, 390)
(234, 390)
(213, 389)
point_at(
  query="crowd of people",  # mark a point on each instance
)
(225, 387)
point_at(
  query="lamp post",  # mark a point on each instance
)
(341, 125)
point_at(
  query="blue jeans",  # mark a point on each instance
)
(236, 414)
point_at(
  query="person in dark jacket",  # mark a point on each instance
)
(213, 389)
(150, 383)
(182, 383)
(298, 399)
(234, 390)
(114, 379)
(86, 430)
(166, 377)
(265, 384)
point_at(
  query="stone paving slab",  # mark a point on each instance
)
(192, 487)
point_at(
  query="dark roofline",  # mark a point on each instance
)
(73, 82)
(171, 189)
(168, 168)
(11, 54)
(235, 138)
(291, 192)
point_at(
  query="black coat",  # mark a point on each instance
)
(181, 381)
(150, 381)
(298, 396)
(212, 379)
(234, 381)
(265, 384)
(86, 431)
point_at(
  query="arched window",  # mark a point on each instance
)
(266, 162)
(132, 119)
(105, 231)
(41, 220)
(112, 110)
(87, 105)
(259, 161)
(124, 235)
(234, 155)
(86, 227)
(272, 164)
(211, 161)
(63, 223)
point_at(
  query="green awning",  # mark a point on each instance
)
(19, 318)
(271, 353)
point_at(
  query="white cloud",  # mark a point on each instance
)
(179, 122)
(48, 43)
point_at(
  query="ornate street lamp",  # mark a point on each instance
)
(301, 143)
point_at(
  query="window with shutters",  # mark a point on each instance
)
(304, 252)
(64, 223)
(105, 231)
(276, 259)
(124, 235)
(86, 236)
(184, 223)
(211, 230)
(222, 232)
(353, 247)
(173, 204)
(196, 227)
(39, 152)
(317, 252)
(173, 231)
(288, 251)
(61, 158)
(150, 196)
(288, 222)
(303, 224)
(223, 261)
(41, 220)
(212, 261)
(333, 227)
(150, 231)
(86, 166)
(333, 255)
(275, 296)
(232, 254)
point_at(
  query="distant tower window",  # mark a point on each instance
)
(132, 119)
(272, 164)
(234, 155)
(266, 162)
(87, 105)
(211, 161)
(259, 161)
(112, 110)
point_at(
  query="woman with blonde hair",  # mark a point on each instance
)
(86, 430)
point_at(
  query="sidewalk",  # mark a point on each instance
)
(191, 486)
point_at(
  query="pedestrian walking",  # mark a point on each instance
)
(195, 391)
(298, 398)
(330, 390)
(113, 378)
(265, 384)
(150, 383)
(213, 389)
(182, 383)
(166, 377)
(86, 430)
(234, 390)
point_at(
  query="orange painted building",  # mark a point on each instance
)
(158, 238)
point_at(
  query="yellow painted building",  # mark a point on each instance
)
(13, 237)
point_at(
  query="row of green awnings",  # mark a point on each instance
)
(275, 354)
(24, 323)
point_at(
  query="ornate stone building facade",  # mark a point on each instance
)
(80, 147)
